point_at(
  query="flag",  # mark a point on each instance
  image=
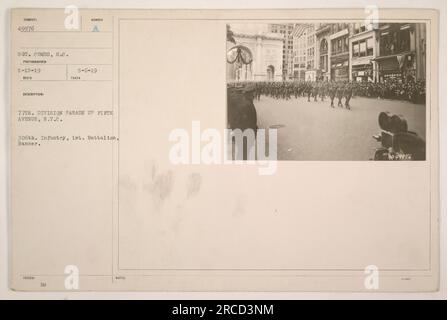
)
(300, 28)
(400, 60)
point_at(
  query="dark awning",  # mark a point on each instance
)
(392, 56)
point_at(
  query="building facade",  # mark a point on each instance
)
(339, 51)
(401, 51)
(322, 33)
(263, 49)
(304, 53)
(332, 46)
(332, 51)
(299, 52)
(285, 30)
(363, 49)
(311, 61)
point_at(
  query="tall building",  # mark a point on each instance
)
(300, 52)
(304, 52)
(311, 63)
(332, 45)
(322, 33)
(339, 51)
(287, 54)
(363, 49)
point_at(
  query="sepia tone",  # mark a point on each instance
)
(95, 193)
(286, 75)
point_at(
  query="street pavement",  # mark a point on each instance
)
(314, 131)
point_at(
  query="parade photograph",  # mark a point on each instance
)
(333, 91)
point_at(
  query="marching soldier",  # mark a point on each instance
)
(348, 96)
(309, 91)
(258, 91)
(332, 93)
(315, 91)
(322, 91)
(340, 95)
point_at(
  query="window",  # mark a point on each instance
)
(363, 48)
(369, 46)
(362, 45)
(323, 47)
(355, 49)
(359, 27)
(395, 39)
(404, 39)
(340, 45)
(323, 63)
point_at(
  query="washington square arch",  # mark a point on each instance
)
(254, 54)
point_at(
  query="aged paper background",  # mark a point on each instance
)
(312, 226)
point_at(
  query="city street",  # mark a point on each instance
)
(315, 131)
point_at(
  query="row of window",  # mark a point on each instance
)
(395, 40)
(299, 65)
(336, 27)
(299, 59)
(363, 48)
(340, 45)
(310, 40)
(311, 52)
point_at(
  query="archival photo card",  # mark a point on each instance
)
(224, 150)
(351, 90)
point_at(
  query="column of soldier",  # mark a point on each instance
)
(313, 90)
(413, 91)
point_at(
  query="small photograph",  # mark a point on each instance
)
(332, 91)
